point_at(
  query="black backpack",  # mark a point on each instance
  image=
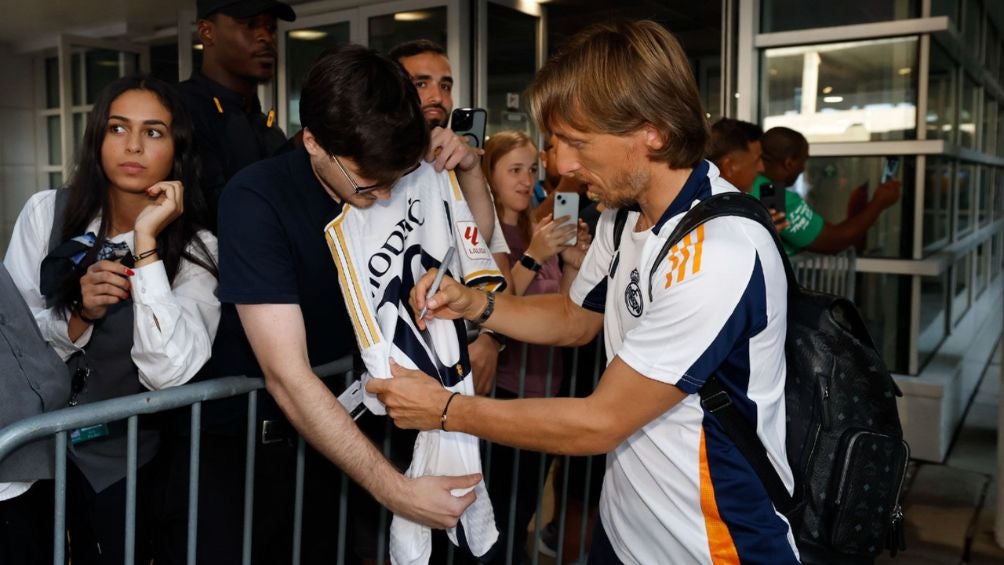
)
(844, 439)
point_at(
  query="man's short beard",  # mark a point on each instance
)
(628, 187)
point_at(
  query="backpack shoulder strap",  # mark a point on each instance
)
(620, 220)
(724, 204)
(714, 398)
(59, 210)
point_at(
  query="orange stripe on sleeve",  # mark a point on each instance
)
(697, 248)
(720, 544)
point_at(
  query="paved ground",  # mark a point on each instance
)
(950, 508)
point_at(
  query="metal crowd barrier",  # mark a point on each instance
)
(60, 422)
(832, 274)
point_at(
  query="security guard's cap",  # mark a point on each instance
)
(245, 8)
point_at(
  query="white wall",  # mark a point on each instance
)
(18, 176)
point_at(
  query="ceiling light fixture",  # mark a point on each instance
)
(411, 16)
(307, 34)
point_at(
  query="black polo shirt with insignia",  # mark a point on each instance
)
(231, 132)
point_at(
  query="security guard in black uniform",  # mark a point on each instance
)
(239, 53)
(232, 132)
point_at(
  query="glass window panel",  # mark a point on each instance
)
(79, 121)
(992, 50)
(164, 61)
(388, 30)
(933, 316)
(973, 25)
(985, 207)
(980, 282)
(860, 91)
(960, 287)
(783, 15)
(967, 112)
(884, 301)
(965, 182)
(302, 48)
(77, 77)
(997, 257)
(998, 189)
(1000, 130)
(840, 187)
(55, 137)
(937, 202)
(104, 66)
(948, 8)
(512, 37)
(55, 180)
(940, 120)
(52, 82)
(989, 124)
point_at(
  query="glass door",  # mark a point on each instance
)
(386, 25)
(300, 43)
(512, 53)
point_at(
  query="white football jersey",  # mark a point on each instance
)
(380, 252)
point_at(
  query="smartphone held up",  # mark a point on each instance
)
(470, 123)
(567, 204)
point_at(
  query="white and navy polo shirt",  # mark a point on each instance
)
(678, 490)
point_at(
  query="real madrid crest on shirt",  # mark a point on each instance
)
(632, 295)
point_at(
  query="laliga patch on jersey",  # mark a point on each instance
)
(474, 245)
(632, 295)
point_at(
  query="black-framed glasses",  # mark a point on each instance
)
(364, 189)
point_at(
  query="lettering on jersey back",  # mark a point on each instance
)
(685, 257)
(395, 244)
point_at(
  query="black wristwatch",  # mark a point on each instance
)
(529, 263)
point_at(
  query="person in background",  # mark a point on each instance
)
(121, 278)
(238, 53)
(510, 164)
(33, 380)
(735, 149)
(785, 152)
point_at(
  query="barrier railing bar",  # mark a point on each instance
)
(43, 425)
(193, 481)
(59, 518)
(301, 461)
(249, 463)
(566, 463)
(382, 518)
(584, 518)
(514, 484)
(130, 509)
(343, 494)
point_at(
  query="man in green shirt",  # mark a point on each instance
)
(778, 156)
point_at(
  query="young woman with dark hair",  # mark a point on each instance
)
(122, 282)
